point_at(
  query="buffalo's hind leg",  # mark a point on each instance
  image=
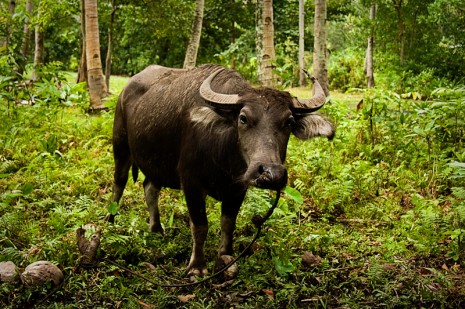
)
(122, 165)
(121, 155)
(151, 198)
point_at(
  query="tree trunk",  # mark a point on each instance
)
(194, 42)
(370, 49)
(96, 80)
(267, 78)
(39, 49)
(82, 70)
(259, 36)
(110, 44)
(27, 30)
(320, 70)
(401, 29)
(233, 40)
(302, 79)
(39, 52)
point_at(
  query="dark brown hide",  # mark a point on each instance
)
(164, 128)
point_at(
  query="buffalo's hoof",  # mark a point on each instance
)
(231, 272)
(110, 218)
(157, 228)
(194, 273)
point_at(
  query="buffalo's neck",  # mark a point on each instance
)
(214, 160)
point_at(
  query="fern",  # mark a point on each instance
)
(299, 185)
(11, 254)
(460, 211)
(459, 192)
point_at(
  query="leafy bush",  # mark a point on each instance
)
(410, 83)
(345, 70)
(241, 56)
(285, 65)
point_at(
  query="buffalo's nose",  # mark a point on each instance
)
(271, 176)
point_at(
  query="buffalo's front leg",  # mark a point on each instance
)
(199, 228)
(229, 210)
(151, 198)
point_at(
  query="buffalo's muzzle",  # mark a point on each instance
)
(271, 177)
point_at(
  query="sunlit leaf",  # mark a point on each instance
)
(283, 266)
(113, 208)
(294, 194)
(27, 188)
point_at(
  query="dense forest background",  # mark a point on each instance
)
(418, 43)
(374, 218)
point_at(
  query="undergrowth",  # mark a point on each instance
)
(382, 205)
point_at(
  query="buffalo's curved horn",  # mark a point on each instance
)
(214, 98)
(306, 106)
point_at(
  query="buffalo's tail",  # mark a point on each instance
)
(135, 172)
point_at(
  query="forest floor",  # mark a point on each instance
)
(371, 219)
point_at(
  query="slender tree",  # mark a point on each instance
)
(369, 56)
(95, 78)
(268, 56)
(27, 29)
(398, 4)
(194, 42)
(82, 71)
(39, 49)
(302, 79)
(233, 40)
(110, 44)
(259, 36)
(320, 70)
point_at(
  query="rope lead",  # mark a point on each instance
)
(257, 220)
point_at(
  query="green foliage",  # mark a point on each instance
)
(228, 37)
(51, 91)
(382, 205)
(345, 70)
(286, 67)
(241, 54)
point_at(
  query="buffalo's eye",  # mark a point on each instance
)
(243, 119)
(290, 122)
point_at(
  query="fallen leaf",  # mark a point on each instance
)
(389, 267)
(145, 305)
(185, 298)
(149, 266)
(309, 259)
(269, 293)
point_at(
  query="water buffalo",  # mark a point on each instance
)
(208, 131)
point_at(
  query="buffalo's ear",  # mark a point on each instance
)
(313, 125)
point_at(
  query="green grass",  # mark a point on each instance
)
(117, 83)
(349, 99)
(386, 218)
